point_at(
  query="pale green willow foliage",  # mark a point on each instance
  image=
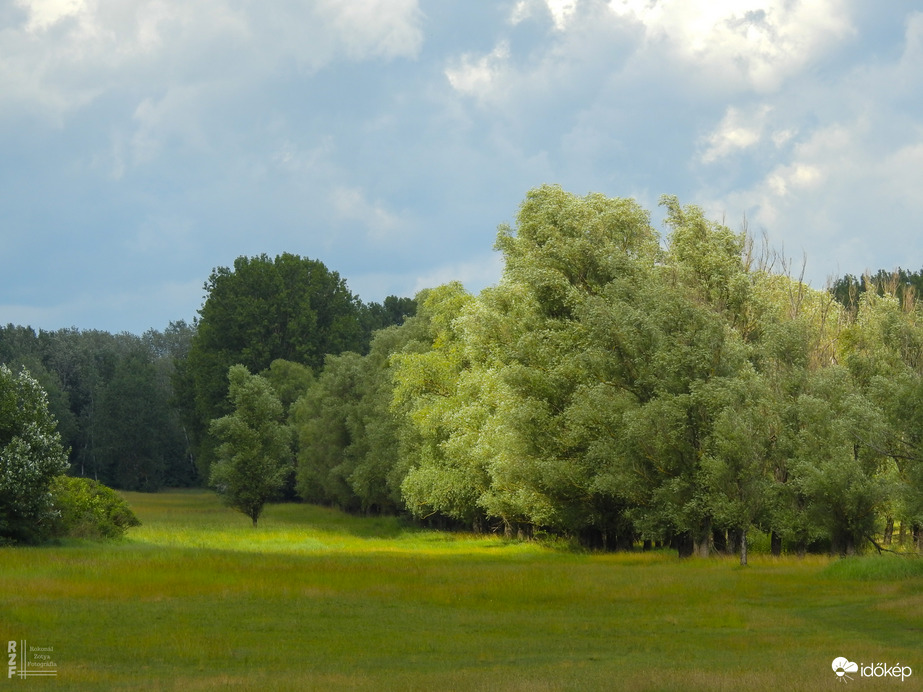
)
(883, 350)
(617, 387)
(614, 389)
(348, 436)
(439, 393)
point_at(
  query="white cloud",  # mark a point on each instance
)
(69, 52)
(844, 197)
(478, 76)
(757, 43)
(835, 167)
(560, 11)
(793, 178)
(311, 126)
(737, 130)
(369, 28)
(825, 162)
(350, 204)
(46, 13)
(522, 10)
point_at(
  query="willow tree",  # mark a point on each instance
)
(540, 360)
(434, 390)
(883, 350)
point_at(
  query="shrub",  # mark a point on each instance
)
(88, 509)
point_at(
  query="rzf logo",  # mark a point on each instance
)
(30, 661)
(11, 650)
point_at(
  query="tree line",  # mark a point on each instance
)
(37, 501)
(133, 411)
(615, 387)
(113, 398)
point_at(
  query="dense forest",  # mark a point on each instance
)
(132, 409)
(615, 387)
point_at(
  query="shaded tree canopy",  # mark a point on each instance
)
(901, 283)
(113, 398)
(263, 309)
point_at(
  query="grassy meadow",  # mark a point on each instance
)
(312, 599)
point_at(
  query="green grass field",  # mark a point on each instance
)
(197, 599)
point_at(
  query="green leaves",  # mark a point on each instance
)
(30, 457)
(254, 456)
(289, 308)
(610, 387)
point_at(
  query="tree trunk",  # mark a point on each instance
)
(775, 541)
(733, 541)
(889, 530)
(743, 547)
(849, 546)
(702, 543)
(684, 544)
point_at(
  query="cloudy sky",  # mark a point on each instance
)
(145, 142)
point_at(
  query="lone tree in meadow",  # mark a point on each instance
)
(254, 454)
(31, 456)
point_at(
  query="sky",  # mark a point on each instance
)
(144, 143)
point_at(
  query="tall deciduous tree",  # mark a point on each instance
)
(261, 310)
(442, 475)
(30, 457)
(883, 350)
(254, 454)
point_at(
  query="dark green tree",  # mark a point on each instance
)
(134, 433)
(376, 316)
(261, 310)
(254, 454)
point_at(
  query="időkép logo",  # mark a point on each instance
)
(843, 667)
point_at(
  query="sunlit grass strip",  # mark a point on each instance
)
(197, 519)
(395, 608)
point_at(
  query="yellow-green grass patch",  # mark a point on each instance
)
(312, 598)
